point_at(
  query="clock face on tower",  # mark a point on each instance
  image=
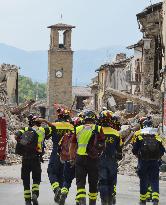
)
(59, 74)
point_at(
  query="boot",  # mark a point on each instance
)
(28, 202)
(62, 199)
(114, 200)
(57, 193)
(34, 199)
(142, 203)
(155, 202)
(92, 202)
(148, 200)
(105, 202)
(82, 201)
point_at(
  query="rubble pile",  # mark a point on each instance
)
(3, 92)
(15, 115)
(129, 162)
(48, 150)
(14, 123)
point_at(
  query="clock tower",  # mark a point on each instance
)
(60, 64)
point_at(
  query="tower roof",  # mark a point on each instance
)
(61, 26)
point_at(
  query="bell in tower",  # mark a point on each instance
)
(60, 66)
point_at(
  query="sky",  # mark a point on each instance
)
(99, 23)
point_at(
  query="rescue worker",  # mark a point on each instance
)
(115, 122)
(56, 166)
(143, 123)
(69, 166)
(31, 160)
(108, 165)
(149, 149)
(86, 163)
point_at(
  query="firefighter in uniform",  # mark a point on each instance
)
(108, 160)
(69, 166)
(143, 123)
(85, 164)
(31, 161)
(149, 149)
(56, 166)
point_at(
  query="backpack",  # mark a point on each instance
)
(150, 148)
(96, 144)
(27, 142)
(64, 145)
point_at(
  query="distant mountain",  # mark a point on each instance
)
(34, 64)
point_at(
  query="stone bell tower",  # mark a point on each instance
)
(60, 64)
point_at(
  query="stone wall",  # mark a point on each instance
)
(150, 21)
(164, 29)
(8, 84)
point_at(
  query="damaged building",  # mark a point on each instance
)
(150, 22)
(135, 69)
(114, 75)
(139, 75)
(8, 84)
(81, 97)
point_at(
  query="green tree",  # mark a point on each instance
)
(28, 89)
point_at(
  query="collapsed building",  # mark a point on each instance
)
(139, 75)
(150, 24)
(81, 96)
(112, 76)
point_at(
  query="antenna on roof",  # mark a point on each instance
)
(61, 17)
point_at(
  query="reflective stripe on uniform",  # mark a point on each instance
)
(35, 187)
(27, 194)
(25, 129)
(134, 138)
(54, 185)
(143, 197)
(64, 190)
(92, 196)
(63, 126)
(80, 196)
(22, 131)
(155, 195)
(81, 190)
(140, 137)
(158, 138)
(110, 131)
(114, 189)
(81, 193)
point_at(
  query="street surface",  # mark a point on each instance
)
(12, 194)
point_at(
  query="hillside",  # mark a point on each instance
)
(34, 63)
